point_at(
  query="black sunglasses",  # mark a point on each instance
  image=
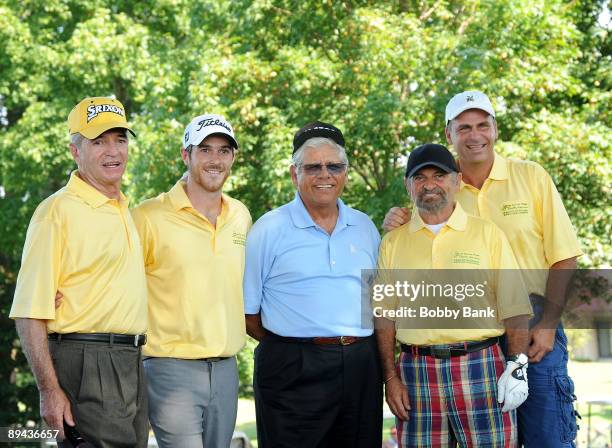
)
(314, 169)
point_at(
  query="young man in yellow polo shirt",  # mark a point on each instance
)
(521, 198)
(450, 381)
(82, 241)
(193, 239)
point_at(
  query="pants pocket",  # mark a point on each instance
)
(565, 402)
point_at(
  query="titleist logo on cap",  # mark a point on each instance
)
(213, 122)
(94, 111)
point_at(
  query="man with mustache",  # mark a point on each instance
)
(193, 240)
(521, 198)
(85, 355)
(445, 389)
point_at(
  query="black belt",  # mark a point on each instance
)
(446, 351)
(135, 340)
(326, 340)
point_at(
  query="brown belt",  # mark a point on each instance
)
(331, 340)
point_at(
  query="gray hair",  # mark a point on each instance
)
(77, 139)
(298, 157)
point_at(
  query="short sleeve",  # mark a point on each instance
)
(559, 237)
(39, 275)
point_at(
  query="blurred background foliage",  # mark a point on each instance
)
(382, 71)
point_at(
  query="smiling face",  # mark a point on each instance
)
(433, 189)
(210, 162)
(102, 161)
(322, 189)
(473, 133)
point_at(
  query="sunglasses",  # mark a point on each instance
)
(314, 169)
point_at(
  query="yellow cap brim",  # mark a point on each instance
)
(94, 131)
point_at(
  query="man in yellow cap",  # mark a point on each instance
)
(85, 355)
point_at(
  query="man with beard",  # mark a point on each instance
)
(193, 241)
(445, 388)
(520, 197)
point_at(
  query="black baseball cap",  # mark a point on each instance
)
(317, 129)
(431, 154)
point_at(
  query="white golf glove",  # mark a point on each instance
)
(512, 388)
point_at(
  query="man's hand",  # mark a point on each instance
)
(54, 409)
(58, 299)
(395, 217)
(512, 388)
(541, 342)
(396, 395)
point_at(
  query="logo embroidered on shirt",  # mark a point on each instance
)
(466, 258)
(515, 208)
(239, 238)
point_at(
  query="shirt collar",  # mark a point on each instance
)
(456, 221)
(89, 194)
(499, 170)
(180, 200)
(178, 196)
(302, 219)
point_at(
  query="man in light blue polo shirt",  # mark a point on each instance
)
(317, 376)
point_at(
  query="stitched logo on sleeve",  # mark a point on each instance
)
(239, 238)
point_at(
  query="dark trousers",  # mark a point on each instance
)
(318, 396)
(106, 387)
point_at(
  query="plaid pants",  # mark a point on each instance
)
(455, 401)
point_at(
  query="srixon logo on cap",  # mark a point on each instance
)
(94, 111)
(469, 98)
(213, 122)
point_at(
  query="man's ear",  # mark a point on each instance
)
(185, 156)
(76, 153)
(447, 132)
(294, 178)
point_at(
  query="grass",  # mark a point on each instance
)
(593, 380)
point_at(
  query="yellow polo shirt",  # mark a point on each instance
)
(194, 276)
(521, 199)
(464, 242)
(85, 245)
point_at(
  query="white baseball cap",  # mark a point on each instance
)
(472, 99)
(204, 125)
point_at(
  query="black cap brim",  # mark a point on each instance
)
(443, 167)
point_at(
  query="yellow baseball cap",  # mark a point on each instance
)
(95, 115)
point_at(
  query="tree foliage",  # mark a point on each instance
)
(382, 71)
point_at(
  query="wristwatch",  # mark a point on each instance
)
(521, 359)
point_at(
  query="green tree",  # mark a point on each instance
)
(382, 71)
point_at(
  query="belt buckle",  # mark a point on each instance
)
(137, 336)
(440, 352)
(345, 340)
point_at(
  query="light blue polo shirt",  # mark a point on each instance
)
(305, 282)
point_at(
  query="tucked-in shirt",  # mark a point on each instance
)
(306, 282)
(464, 242)
(85, 245)
(194, 276)
(521, 198)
